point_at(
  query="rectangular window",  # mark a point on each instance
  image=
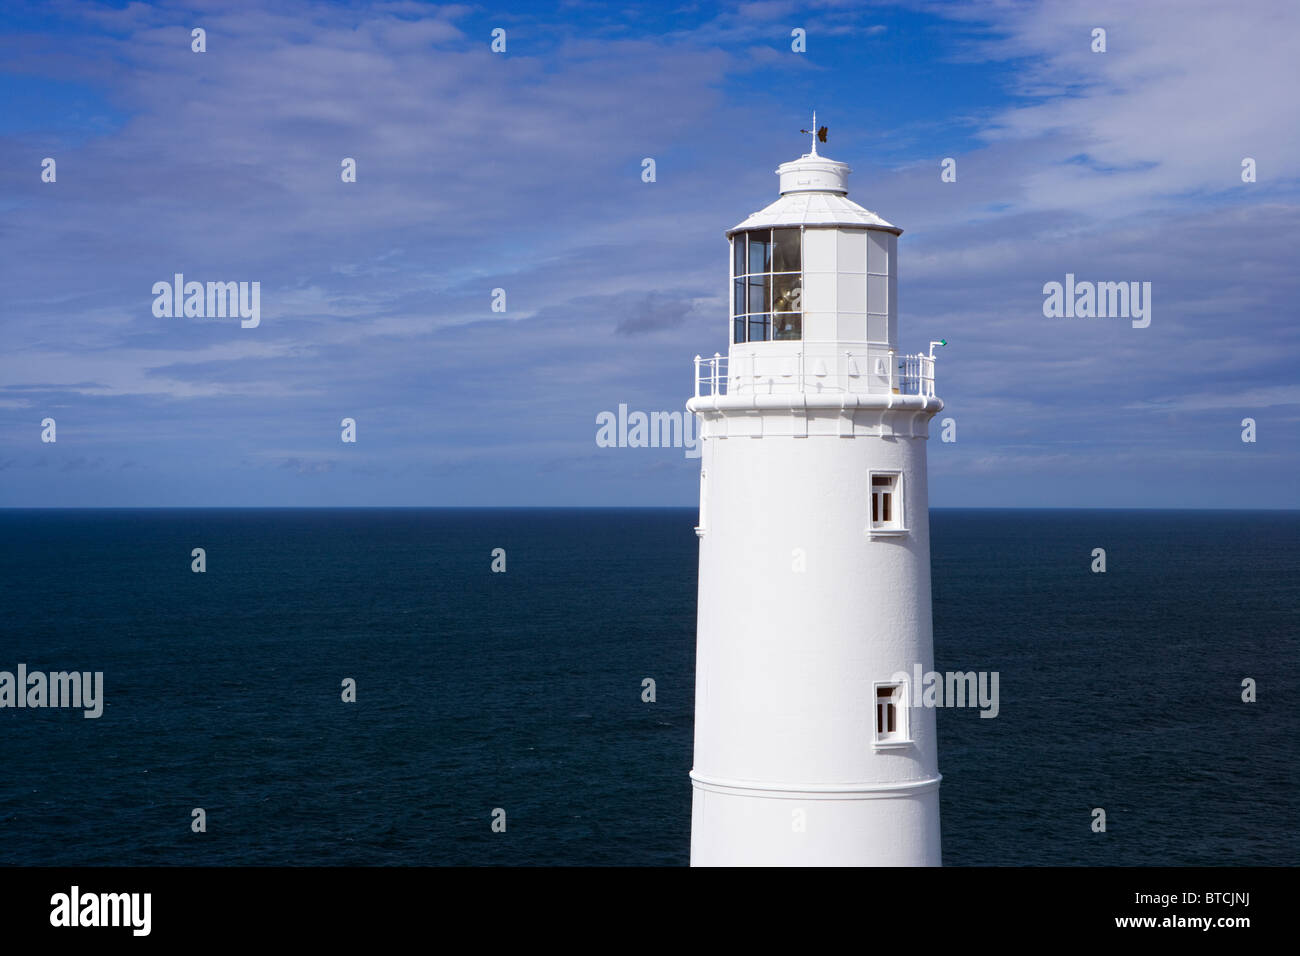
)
(738, 330)
(760, 252)
(738, 295)
(738, 256)
(758, 326)
(785, 254)
(886, 502)
(758, 293)
(891, 714)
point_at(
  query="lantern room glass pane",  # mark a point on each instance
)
(738, 298)
(760, 252)
(787, 326)
(738, 255)
(787, 293)
(758, 293)
(738, 329)
(758, 326)
(785, 250)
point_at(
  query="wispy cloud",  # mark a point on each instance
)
(522, 172)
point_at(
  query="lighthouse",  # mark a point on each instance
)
(811, 748)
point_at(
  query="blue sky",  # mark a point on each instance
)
(521, 171)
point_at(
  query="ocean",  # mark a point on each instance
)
(523, 690)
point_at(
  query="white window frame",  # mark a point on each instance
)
(901, 737)
(898, 525)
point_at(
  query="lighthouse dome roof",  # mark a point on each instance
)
(814, 193)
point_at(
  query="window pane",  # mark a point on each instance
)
(884, 506)
(758, 325)
(738, 299)
(760, 252)
(785, 255)
(787, 326)
(758, 293)
(738, 332)
(787, 294)
(738, 255)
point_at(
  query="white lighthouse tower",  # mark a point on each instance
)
(814, 590)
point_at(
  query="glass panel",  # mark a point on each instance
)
(884, 507)
(785, 254)
(787, 326)
(758, 293)
(760, 252)
(787, 293)
(738, 255)
(738, 301)
(758, 325)
(738, 331)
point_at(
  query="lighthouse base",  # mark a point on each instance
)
(746, 824)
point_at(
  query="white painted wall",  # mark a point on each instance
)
(787, 661)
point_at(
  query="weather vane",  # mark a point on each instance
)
(816, 133)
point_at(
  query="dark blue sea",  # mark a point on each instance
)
(478, 690)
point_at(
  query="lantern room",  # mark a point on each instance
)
(814, 281)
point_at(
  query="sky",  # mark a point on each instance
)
(522, 171)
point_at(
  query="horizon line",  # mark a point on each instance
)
(4, 508)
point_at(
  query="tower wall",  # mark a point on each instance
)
(788, 659)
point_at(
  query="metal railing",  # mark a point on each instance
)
(879, 371)
(711, 374)
(916, 374)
